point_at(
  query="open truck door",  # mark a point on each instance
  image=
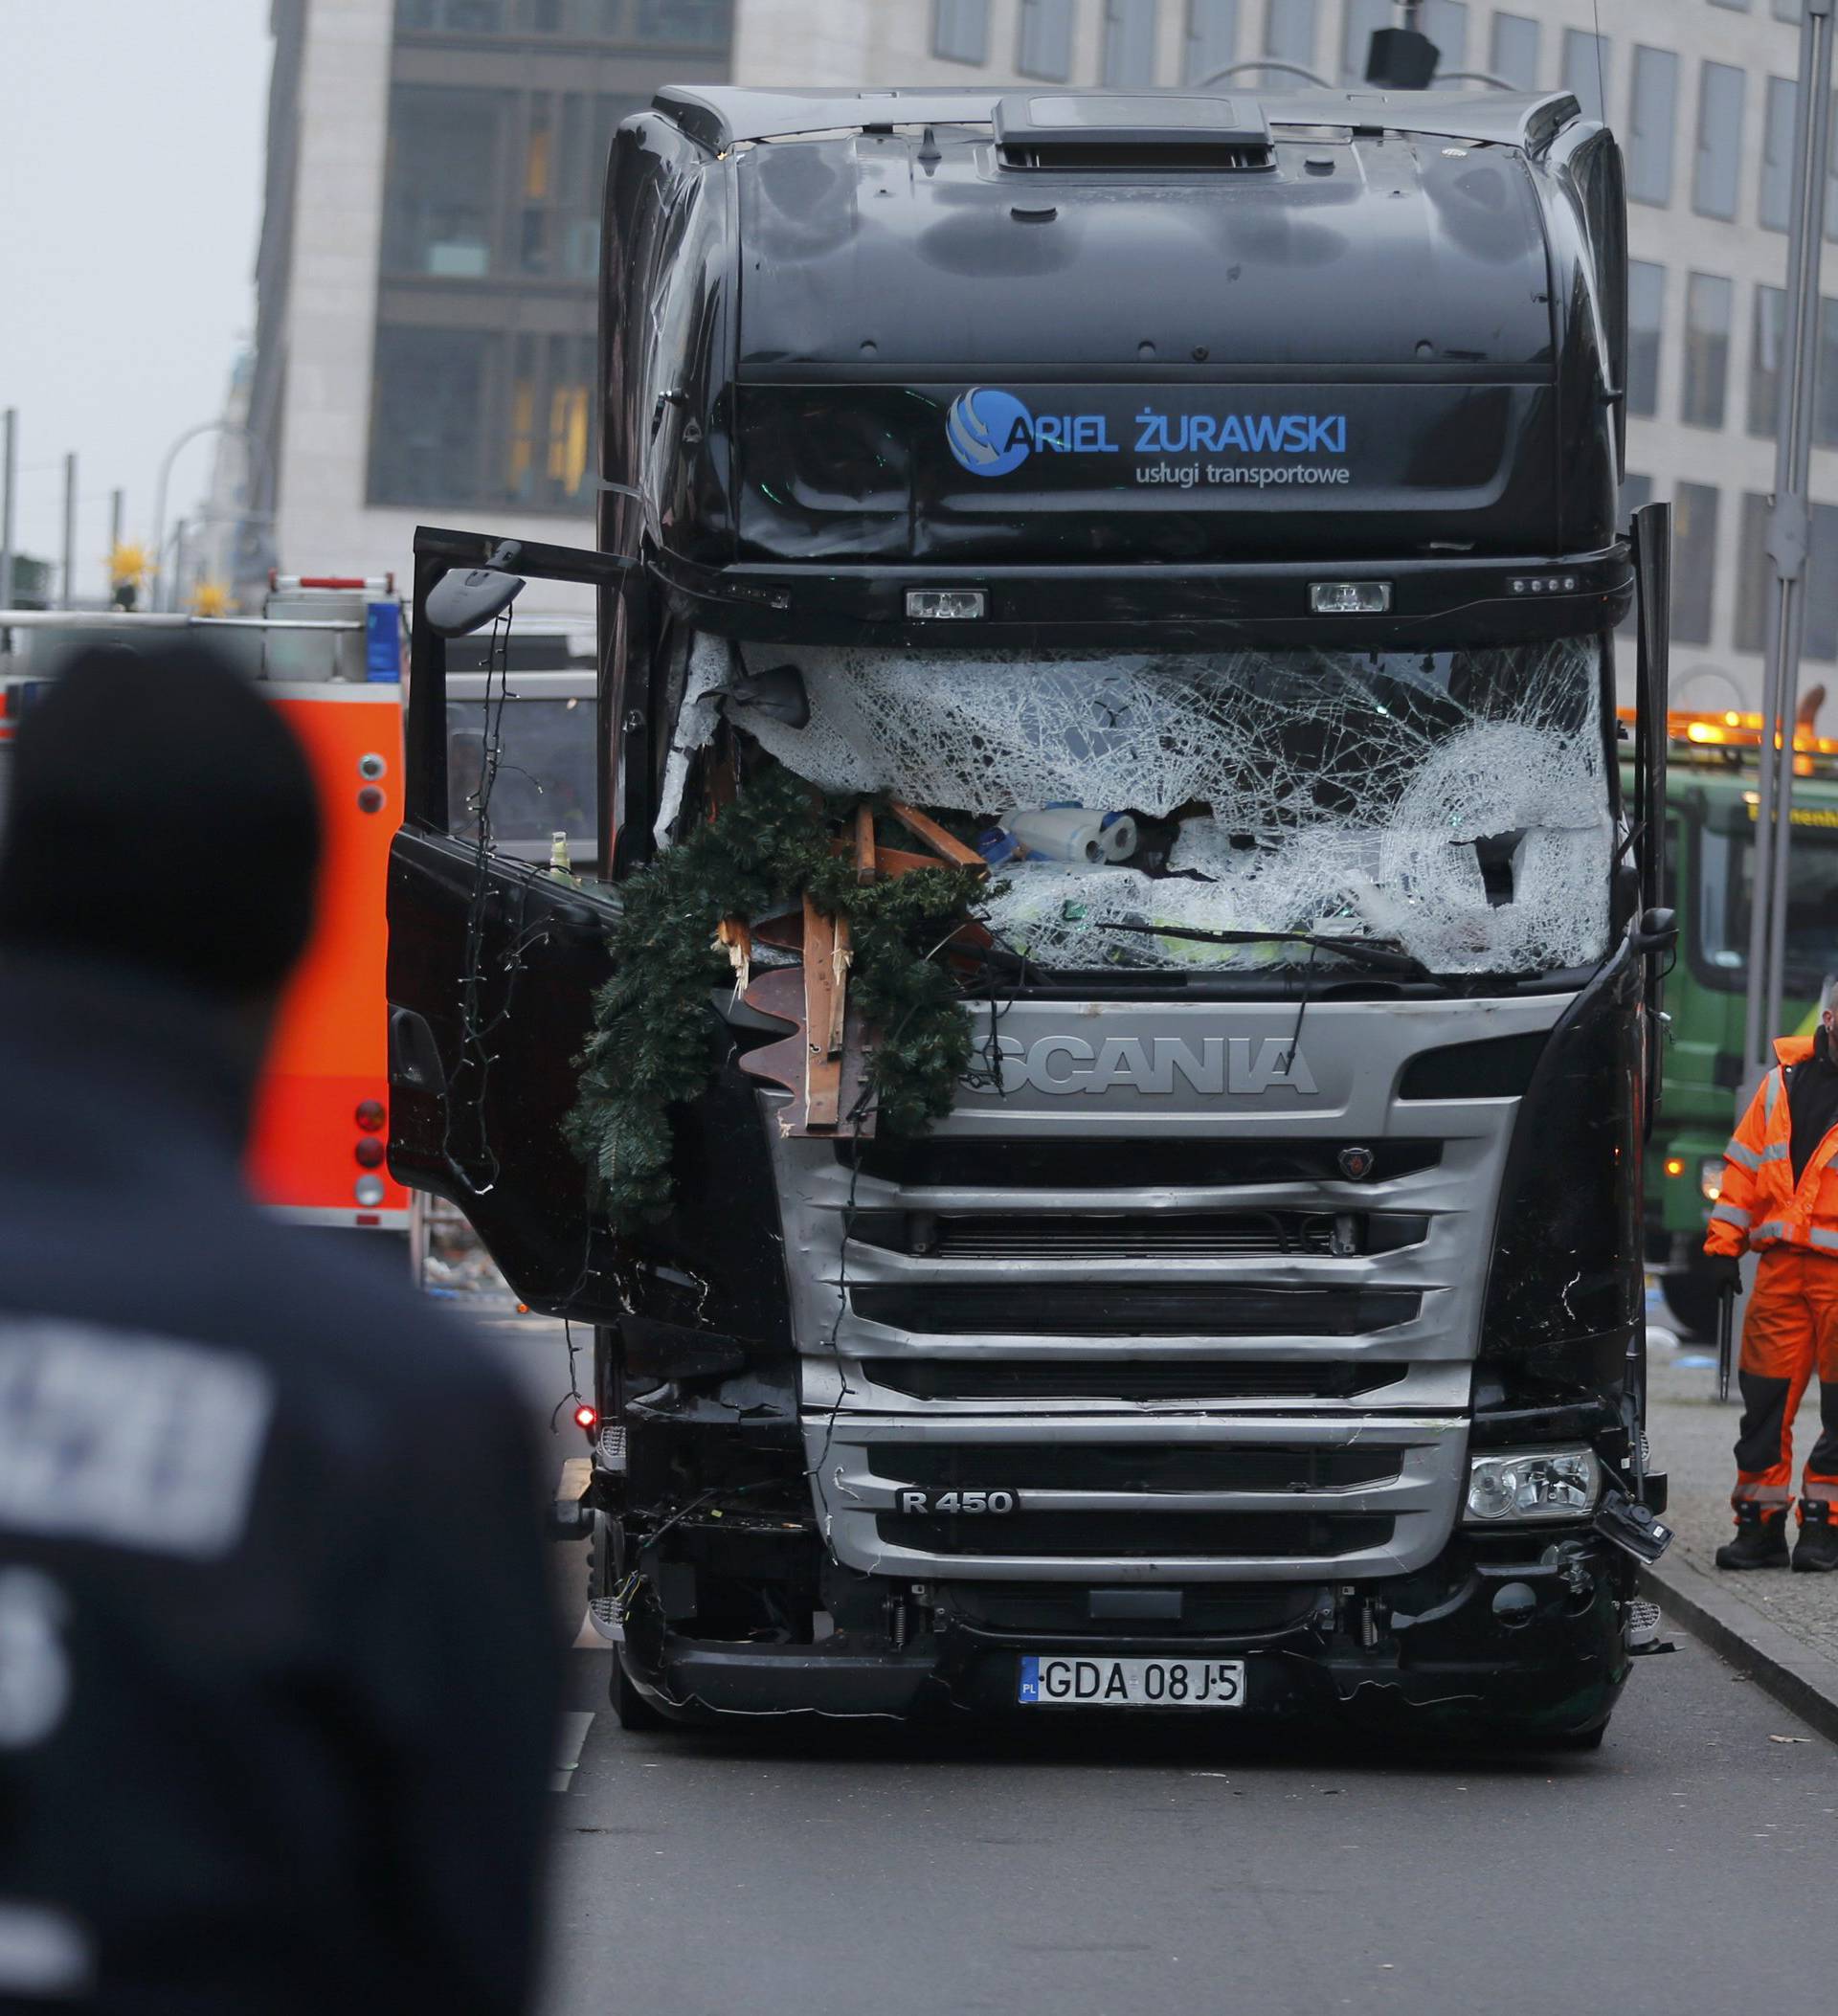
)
(495, 957)
(1653, 541)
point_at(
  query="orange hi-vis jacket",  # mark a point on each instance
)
(1761, 1204)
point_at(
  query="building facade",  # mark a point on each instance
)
(426, 317)
(426, 278)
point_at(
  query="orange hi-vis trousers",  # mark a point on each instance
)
(1792, 1325)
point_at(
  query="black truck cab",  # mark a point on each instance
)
(1196, 517)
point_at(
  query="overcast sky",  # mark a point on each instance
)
(131, 136)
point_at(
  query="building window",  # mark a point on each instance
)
(1045, 47)
(460, 17)
(659, 24)
(1514, 52)
(546, 466)
(1585, 71)
(1754, 574)
(1776, 203)
(1821, 584)
(1707, 307)
(1787, 10)
(1363, 20)
(1649, 149)
(1445, 23)
(1289, 31)
(1824, 393)
(674, 24)
(440, 184)
(1719, 140)
(960, 31)
(1693, 562)
(1766, 336)
(1740, 7)
(1212, 39)
(428, 415)
(1646, 309)
(1128, 42)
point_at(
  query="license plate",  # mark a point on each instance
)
(1051, 1682)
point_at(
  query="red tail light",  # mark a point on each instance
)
(370, 1151)
(586, 1418)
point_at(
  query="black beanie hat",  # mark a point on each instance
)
(162, 815)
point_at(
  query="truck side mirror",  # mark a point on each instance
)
(459, 603)
(1657, 931)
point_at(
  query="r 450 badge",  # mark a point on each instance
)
(957, 1504)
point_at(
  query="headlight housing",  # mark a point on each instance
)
(1709, 1177)
(1515, 1485)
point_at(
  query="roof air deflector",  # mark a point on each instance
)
(1096, 129)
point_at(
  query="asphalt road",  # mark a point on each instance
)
(1103, 1867)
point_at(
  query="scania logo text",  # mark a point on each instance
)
(1213, 1064)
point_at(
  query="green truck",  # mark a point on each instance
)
(1709, 870)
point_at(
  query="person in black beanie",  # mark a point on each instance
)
(278, 1666)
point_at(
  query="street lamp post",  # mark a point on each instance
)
(1788, 529)
(190, 433)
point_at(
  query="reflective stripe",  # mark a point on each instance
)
(1828, 1239)
(1731, 1215)
(1772, 1084)
(1777, 1152)
(1746, 1157)
(1775, 1228)
(1761, 1494)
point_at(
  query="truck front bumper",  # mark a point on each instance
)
(1497, 1646)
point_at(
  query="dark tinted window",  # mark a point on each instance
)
(1693, 562)
(427, 421)
(544, 781)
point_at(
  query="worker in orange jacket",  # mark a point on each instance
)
(1779, 1199)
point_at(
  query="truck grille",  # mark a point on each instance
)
(1126, 1379)
(940, 1162)
(1045, 1535)
(1216, 1235)
(1145, 1468)
(1101, 1310)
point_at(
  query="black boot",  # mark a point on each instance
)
(1761, 1538)
(1816, 1551)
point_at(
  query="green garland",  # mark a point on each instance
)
(650, 1047)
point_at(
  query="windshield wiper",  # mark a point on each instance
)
(1381, 958)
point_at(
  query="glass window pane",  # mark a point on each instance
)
(1825, 397)
(1129, 41)
(1765, 340)
(1212, 38)
(1754, 574)
(1515, 51)
(1288, 30)
(1693, 562)
(684, 24)
(1362, 20)
(1822, 585)
(1787, 10)
(1646, 309)
(1445, 23)
(1649, 144)
(427, 405)
(438, 183)
(1776, 200)
(1585, 71)
(960, 31)
(1719, 140)
(1707, 306)
(1045, 46)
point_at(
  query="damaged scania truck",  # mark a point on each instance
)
(1093, 1100)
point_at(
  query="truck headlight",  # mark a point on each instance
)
(1532, 1483)
(1709, 1177)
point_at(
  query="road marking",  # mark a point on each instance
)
(572, 1734)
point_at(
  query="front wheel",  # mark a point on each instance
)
(633, 1712)
(1693, 1300)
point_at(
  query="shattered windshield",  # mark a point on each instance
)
(1454, 804)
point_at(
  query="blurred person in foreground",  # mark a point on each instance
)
(276, 1660)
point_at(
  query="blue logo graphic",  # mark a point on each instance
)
(1030, 1678)
(990, 431)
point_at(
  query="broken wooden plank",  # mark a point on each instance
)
(825, 1003)
(865, 866)
(935, 835)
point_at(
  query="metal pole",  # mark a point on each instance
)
(190, 433)
(1786, 543)
(70, 532)
(9, 472)
(115, 500)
